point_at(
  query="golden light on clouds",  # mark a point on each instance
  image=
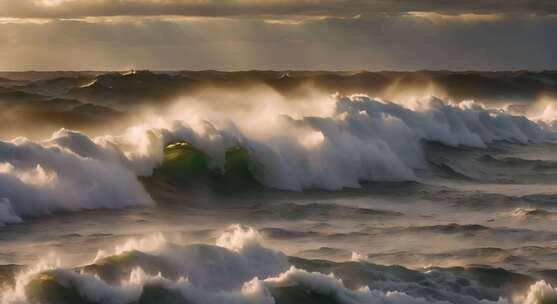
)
(272, 9)
(277, 34)
(437, 17)
(52, 3)
(8, 20)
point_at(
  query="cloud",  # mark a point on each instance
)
(278, 34)
(375, 42)
(258, 8)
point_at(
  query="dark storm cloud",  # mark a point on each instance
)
(260, 8)
(370, 42)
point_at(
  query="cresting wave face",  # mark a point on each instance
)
(360, 139)
(240, 270)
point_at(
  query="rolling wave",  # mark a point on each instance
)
(238, 269)
(361, 139)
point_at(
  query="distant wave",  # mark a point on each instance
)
(536, 164)
(363, 139)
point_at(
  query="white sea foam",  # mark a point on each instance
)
(539, 293)
(38, 178)
(209, 274)
(352, 138)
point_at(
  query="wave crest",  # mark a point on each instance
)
(363, 139)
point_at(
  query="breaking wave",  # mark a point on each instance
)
(360, 139)
(240, 270)
(68, 172)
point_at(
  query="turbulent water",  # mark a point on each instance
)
(252, 197)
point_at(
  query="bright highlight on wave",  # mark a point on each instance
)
(359, 139)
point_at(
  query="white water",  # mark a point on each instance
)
(351, 139)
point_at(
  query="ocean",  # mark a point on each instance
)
(261, 196)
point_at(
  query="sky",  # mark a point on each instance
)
(278, 34)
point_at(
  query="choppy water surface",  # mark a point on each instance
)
(374, 202)
(483, 233)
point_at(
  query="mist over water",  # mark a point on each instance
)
(253, 194)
